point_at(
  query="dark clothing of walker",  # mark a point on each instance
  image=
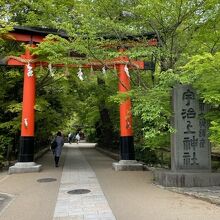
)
(58, 149)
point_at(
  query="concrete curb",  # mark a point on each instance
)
(37, 156)
(114, 156)
(41, 153)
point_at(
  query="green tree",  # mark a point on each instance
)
(188, 38)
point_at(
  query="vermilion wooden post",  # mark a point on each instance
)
(26, 152)
(126, 132)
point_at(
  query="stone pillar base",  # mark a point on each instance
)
(186, 179)
(24, 167)
(129, 165)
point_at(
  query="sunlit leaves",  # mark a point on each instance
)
(154, 110)
(202, 71)
(96, 28)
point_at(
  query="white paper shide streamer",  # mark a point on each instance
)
(29, 70)
(103, 70)
(50, 69)
(126, 70)
(26, 122)
(80, 74)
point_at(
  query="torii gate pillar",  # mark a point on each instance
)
(127, 153)
(126, 131)
(26, 151)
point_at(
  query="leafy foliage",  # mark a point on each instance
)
(188, 52)
(202, 71)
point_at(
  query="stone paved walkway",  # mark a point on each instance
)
(130, 195)
(78, 175)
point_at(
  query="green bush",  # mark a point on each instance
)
(147, 155)
(5, 145)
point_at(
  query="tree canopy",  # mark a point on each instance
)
(188, 52)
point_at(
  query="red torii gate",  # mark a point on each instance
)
(31, 36)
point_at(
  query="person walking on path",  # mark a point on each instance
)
(57, 152)
(70, 137)
(77, 138)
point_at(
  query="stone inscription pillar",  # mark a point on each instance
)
(190, 145)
